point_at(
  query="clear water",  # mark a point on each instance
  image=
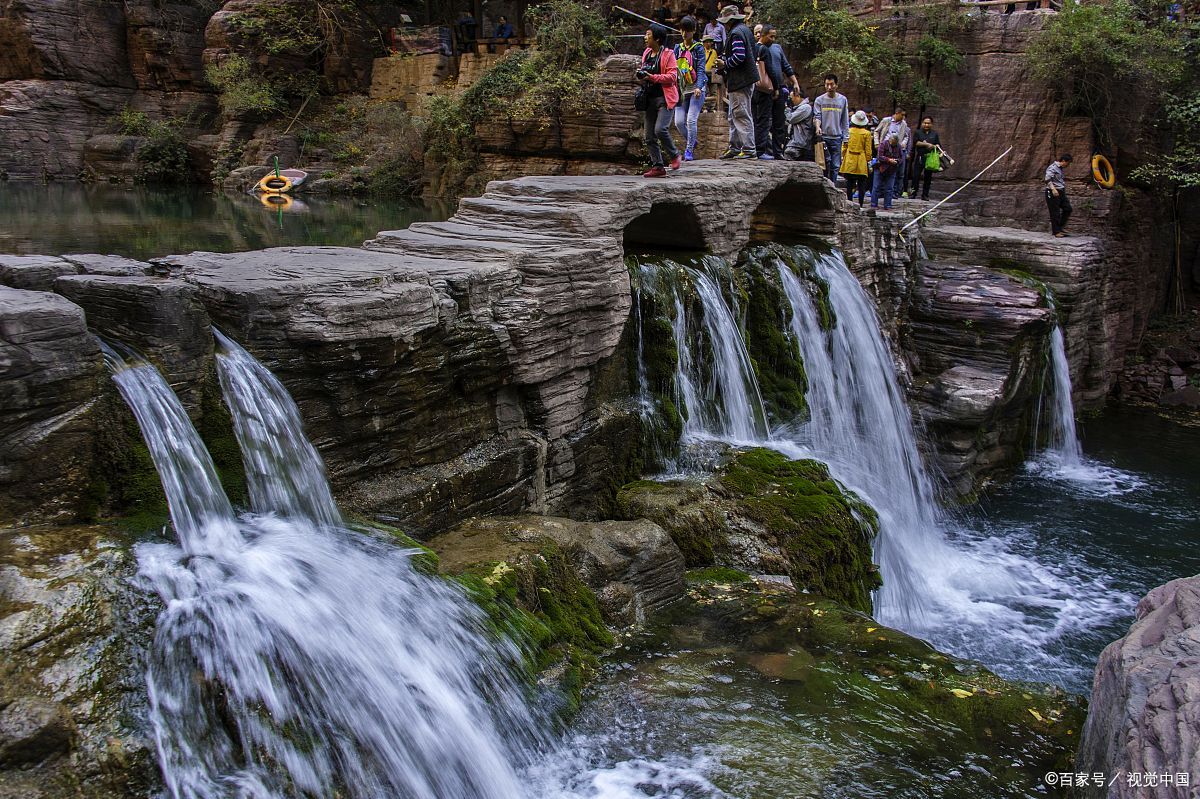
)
(136, 222)
(294, 657)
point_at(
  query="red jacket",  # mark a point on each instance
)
(667, 75)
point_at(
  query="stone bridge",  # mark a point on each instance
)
(445, 370)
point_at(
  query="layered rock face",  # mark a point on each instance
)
(67, 69)
(1145, 705)
(978, 338)
(451, 369)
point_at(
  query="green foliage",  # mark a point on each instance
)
(541, 85)
(859, 51)
(1110, 61)
(1179, 166)
(243, 89)
(163, 157)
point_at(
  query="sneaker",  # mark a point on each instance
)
(676, 162)
(729, 154)
(743, 155)
(1060, 235)
(766, 157)
(904, 195)
(687, 155)
(655, 172)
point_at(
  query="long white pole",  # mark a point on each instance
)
(639, 16)
(956, 191)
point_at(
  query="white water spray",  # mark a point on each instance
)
(295, 657)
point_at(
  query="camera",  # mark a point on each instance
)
(641, 73)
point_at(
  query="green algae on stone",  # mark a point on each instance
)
(825, 531)
(775, 356)
(532, 595)
(853, 703)
(766, 513)
(718, 574)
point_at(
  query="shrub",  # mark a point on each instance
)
(243, 90)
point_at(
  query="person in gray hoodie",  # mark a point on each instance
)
(799, 115)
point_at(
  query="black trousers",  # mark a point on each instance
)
(921, 175)
(760, 109)
(1060, 210)
(857, 183)
(779, 132)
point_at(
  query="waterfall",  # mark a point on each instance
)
(860, 425)
(1063, 445)
(294, 657)
(947, 579)
(284, 473)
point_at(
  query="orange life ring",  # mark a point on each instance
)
(1103, 172)
(275, 184)
(274, 200)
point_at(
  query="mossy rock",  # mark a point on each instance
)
(776, 358)
(533, 595)
(833, 665)
(765, 513)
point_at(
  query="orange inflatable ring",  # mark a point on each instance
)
(273, 200)
(275, 184)
(1103, 172)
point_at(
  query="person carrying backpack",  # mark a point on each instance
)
(691, 61)
(800, 146)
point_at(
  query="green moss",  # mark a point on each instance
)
(424, 559)
(126, 484)
(718, 574)
(672, 506)
(215, 427)
(824, 531)
(1020, 272)
(539, 602)
(775, 356)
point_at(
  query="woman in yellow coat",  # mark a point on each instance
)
(856, 152)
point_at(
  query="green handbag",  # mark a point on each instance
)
(933, 161)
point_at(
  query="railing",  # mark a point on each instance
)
(880, 7)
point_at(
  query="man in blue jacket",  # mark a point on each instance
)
(741, 73)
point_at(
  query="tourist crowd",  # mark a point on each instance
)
(770, 116)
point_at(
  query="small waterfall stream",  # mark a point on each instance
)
(293, 657)
(1063, 444)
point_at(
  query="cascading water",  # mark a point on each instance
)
(1063, 444)
(295, 658)
(968, 592)
(284, 473)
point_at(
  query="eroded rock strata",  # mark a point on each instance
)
(1144, 715)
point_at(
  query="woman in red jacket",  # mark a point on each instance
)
(660, 75)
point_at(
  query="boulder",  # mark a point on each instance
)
(1182, 397)
(978, 341)
(766, 514)
(633, 566)
(50, 378)
(73, 702)
(1144, 714)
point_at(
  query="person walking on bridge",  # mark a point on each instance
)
(833, 125)
(741, 73)
(1056, 195)
(660, 75)
(693, 84)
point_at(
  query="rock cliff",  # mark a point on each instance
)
(1145, 706)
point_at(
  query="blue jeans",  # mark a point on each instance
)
(882, 187)
(833, 157)
(898, 177)
(658, 132)
(687, 116)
